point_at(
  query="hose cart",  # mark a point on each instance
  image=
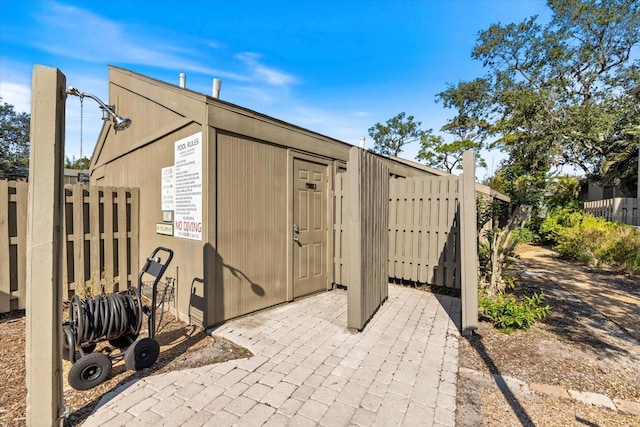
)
(116, 318)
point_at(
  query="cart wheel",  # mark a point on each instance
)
(142, 354)
(123, 342)
(89, 371)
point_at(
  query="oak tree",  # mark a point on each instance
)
(560, 91)
(398, 131)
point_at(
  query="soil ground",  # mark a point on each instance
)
(589, 342)
(181, 347)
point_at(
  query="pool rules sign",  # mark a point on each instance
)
(187, 219)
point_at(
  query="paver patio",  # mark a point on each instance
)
(308, 369)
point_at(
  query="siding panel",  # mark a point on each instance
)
(251, 249)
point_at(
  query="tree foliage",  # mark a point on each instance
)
(73, 163)
(564, 191)
(448, 156)
(468, 128)
(560, 91)
(395, 134)
(14, 140)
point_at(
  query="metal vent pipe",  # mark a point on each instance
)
(216, 88)
(183, 80)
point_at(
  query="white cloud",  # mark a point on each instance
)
(86, 36)
(263, 72)
(214, 44)
(16, 94)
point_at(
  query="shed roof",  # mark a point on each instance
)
(186, 106)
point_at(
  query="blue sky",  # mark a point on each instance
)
(335, 66)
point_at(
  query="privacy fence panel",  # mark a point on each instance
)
(13, 244)
(100, 240)
(423, 230)
(620, 209)
(366, 235)
(423, 234)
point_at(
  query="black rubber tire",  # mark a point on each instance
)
(89, 371)
(123, 342)
(142, 354)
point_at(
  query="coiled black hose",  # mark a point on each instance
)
(106, 317)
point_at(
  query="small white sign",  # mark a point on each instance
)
(187, 216)
(164, 228)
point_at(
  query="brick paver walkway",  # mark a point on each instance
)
(308, 369)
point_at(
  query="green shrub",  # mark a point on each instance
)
(526, 235)
(585, 238)
(508, 313)
(624, 249)
(555, 221)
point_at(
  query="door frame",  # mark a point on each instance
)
(330, 169)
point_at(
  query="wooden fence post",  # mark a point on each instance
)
(44, 273)
(469, 243)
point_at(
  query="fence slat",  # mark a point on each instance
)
(338, 229)
(94, 234)
(123, 273)
(134, 214)
(67, 219)
(5, 239)
(78, 236)
(22, 203)
(107, 233)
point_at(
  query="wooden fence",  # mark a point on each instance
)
(100, 245)
(619, 209)
(423, 236)
(366, 236)
(423, 230)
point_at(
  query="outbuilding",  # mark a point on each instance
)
(246, 201)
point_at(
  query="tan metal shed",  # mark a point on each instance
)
(252, 220)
